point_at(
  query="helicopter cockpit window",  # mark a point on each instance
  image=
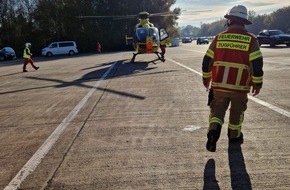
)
(142, 33)
(154, 33)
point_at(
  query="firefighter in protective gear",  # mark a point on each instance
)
(27, 57)
(232, 66)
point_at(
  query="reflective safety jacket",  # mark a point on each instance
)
(26, 53)
(230, 62)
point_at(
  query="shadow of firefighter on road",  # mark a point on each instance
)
(239, 177)
(210, 181)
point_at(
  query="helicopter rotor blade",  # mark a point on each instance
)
(195, 12)
(162, 14)
(123, 18)
(157, 14)
(108, 16)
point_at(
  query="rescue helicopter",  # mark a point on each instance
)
(146, 39)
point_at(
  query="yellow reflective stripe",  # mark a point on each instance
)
(231, 64)
(235, 127)
(226, 74)
(216, 120)
(230, 86)
(257, 79)
(210, 53)
(239, 76)
(228, 65)
(206, 74)
(233, 45)
(235, 37)
(255, 55)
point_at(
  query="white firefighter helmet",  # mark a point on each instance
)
(239, 14)
(27, 44)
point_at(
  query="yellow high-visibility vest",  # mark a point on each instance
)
(26, 53)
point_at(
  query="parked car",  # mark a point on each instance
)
(186, 40)
(7, 53)
(273, 37)
(202, 40)
(60, 48)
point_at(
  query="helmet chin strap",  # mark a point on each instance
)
(229, 23)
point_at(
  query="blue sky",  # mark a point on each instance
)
(220, 7)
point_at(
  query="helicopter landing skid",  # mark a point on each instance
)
(159, 55)
(133, 58)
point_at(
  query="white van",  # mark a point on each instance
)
(60, 48)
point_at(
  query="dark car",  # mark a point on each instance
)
(7, 53)
(273, 37)
(202, 40)
(186, 40)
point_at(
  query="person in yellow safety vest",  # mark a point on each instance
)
(27, 57)
(232, 65)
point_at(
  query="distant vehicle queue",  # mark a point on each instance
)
(199, 40)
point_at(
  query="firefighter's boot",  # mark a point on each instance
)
(213, 136)
(235, 136)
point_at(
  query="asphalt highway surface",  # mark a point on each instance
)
(97, 121)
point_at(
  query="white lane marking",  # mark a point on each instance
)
(266, 104)
(272, 107)
(199, 73)
(38, 156)
(191, 128)
(203, 52)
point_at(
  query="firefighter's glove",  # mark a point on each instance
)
(256, 89)
(206, 82)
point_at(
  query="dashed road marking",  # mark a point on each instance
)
(191, 128)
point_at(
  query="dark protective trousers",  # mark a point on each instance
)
(219, 106)
(26, 61)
